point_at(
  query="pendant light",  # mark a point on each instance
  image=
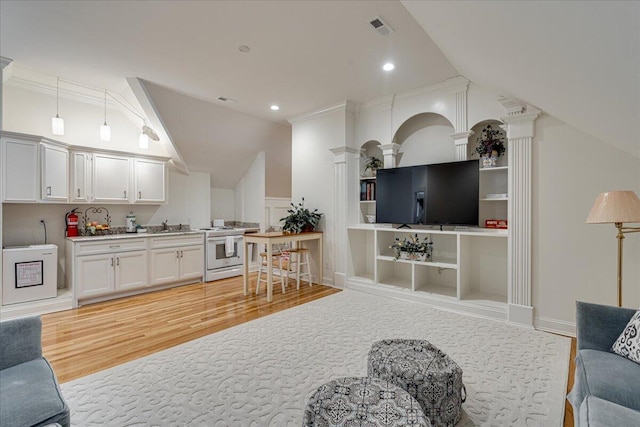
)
(57, 123)
(105, 129)
(143, 141)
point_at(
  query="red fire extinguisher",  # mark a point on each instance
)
(71, 219)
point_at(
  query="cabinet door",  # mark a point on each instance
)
(80, 177)
(191, 262)
(54, 171)
(165, 266)
(20, 178)
(110, 178)
(150, 180)
(95, 275)
(131, 270)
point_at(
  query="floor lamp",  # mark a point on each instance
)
(617, 207)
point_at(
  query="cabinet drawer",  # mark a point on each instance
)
(110, 246)
(175, 241)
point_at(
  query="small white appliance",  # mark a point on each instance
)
(131, 223)
(29, 273)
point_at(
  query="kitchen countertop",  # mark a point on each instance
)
(131, 236)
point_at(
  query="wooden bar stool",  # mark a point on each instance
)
(279, 262)
(299, 258)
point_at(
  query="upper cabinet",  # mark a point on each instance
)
(20, 181)
(150, 181)
(81, 177)
(41, 170)
(54, 173)
(111, 178)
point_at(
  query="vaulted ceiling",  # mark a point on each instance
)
(579, 61)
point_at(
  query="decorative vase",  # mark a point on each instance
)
(486, 161)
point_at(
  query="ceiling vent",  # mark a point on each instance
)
(380, 26)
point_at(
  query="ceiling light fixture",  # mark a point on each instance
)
(244, 49)
(143, 141)
(57, 123)
(105, 129)
(275, 107)
(388, 66)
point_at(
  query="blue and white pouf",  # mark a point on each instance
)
(425, 372)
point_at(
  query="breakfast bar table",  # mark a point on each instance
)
(271, 238)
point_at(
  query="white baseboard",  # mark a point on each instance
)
(339, 280)
(521, 315)
(556, 326)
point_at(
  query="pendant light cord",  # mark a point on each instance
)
(58, 97)
(105, 107)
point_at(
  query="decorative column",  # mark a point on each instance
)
(390, 152)
(461, 141)
(346, 194)
(520, 133)
(461, 135)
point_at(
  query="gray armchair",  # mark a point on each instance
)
(29, 391)
(606, 391)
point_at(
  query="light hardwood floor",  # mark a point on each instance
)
(99, 336)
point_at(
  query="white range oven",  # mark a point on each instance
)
(224, 252)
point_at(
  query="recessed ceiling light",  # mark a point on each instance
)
(275, 107)
(244, 49)
(388, 66)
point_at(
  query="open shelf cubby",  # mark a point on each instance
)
(468, 268)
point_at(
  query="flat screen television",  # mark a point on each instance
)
(437, 194)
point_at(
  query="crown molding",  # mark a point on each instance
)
(346, 106)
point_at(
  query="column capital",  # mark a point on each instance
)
(459, 136)
(522, 125)
(341, 153)
(392, 148)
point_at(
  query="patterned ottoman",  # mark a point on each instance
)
(362, 402)
(427, 373)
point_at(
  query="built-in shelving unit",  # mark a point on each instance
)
(468, 270)
(494, 193)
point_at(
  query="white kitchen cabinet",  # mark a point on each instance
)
(176, 259)
(111, 178)
(81, 179)
(150, 181)
(104, 267)
(54, 173)
(20, 174)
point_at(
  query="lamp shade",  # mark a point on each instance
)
(615, 206)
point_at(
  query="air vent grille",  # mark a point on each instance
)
(380, 26)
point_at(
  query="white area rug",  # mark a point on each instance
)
(262, 372)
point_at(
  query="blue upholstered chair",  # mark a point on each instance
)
(29, 391)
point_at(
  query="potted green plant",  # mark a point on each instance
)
(373, 164)
(412, 248)
(490, 146)
(300, 219)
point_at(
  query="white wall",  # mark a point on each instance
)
(250, 193)
(30, 112)
(425, 139)
(573, 260)
(223, 203)
(313, 172)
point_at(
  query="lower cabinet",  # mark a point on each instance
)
(176, 259)
(107, 273)
(104, 269)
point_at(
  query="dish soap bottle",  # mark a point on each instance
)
(131, 223)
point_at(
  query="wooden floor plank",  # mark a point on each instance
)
(99, 336)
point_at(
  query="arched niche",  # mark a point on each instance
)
(477, 133)
(369, 149)
(424, 139)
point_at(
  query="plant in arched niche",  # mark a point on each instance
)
(490, 141)
(373, 163)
